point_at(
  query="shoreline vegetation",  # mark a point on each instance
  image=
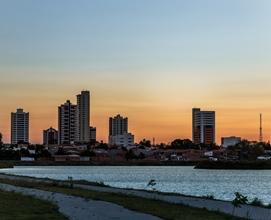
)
(207, 164)
(11, 164)
(234, 165)
(153, 207)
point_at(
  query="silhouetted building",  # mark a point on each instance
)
(92, 134)
(67, 123)
(50, 136)
(203, 128)
(118, 132)
(118, 125)
(19, 127)
(83, 117)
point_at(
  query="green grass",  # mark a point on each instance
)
(158, 208)
(14, 206)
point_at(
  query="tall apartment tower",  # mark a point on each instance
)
(118, 125)
(83, 117)
(118, 132)
(19, 127)
(50, 136)
(67, 123)
(203, 128)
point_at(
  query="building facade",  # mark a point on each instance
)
(67, 123)
(83, 117)
(204, 128)
(50, 137)
(123, 140)
(19, 127)
(118, 132)
(118, 125)
(230, 141)
(93, 135)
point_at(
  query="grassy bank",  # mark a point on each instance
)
(235, 165)
(161, 209)
(15, 206)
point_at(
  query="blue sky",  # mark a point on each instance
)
(139, 34)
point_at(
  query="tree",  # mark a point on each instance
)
(24, 153)
(249, 150)
(43, 153)
(141, 156)
(182, 144)
(130, 155)
(145, 143)
(88, 153)
(103, 146)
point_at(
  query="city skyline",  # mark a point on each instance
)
(210, 111)
(150, 61)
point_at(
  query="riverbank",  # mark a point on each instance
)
(206, 164)
(78, 208)
(165, 206)
(107, 163)
(234, 165)
(155, 204)
(15, 206)
(98, 163)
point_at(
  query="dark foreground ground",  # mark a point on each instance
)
(31, 207)
(14, 206)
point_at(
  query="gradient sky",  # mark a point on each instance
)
(149, 60)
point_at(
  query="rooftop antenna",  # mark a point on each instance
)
(261, 129)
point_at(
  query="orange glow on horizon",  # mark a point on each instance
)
(164, 125)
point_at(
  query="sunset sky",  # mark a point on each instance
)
(149, 60)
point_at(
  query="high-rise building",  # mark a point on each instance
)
(50, 136)
(118, 132)
(118, 125)
(92, 135)
(67, 123)
(19, 127)
(83, 117)
(203, 128)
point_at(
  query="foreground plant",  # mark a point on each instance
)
(239, 201)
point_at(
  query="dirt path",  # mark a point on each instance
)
(246, 211)
(76, 208)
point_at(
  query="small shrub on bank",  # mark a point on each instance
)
(257, 202)
(211, 197)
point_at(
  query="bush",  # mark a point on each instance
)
(239, 201)
(257, 202)
(211, 197)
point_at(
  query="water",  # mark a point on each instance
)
(222, 184)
